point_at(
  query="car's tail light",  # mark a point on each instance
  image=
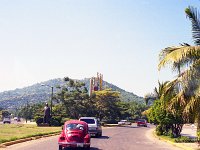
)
(87, 139)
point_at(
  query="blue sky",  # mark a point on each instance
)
(42, 40)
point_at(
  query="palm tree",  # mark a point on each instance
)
(185, 59)
(158, 92)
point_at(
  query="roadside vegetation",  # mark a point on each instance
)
(11, 132)
(72, 102)
(178, 101)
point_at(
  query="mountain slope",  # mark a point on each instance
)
(38, 93)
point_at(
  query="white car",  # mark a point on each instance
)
(6, 120)
(124, 122)
(94, 125)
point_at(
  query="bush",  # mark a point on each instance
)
(198, 134)
(39, 120)
(110, 121)
(63, 120)
(159, 130)
(185, 139)
(56, 121)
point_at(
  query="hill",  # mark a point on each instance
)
(37, 93)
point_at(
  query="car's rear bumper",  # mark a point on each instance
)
(73, 144)
(94, 132)
(140, 124)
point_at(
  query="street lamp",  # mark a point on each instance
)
(51, 94)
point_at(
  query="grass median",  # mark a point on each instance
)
(12, 132)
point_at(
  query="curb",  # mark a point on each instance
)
(4, 145)
(172, 143)
(114, 125)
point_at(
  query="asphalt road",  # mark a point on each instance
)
(116, 138)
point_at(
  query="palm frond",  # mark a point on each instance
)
(179, 56)
(192, 105)
(178, 99)
(190, 79)
(193, 15)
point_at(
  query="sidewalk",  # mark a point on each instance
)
(187, 130)
(190, 131)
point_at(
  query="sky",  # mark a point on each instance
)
(121, 39)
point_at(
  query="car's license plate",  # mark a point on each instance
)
(79, 144)
(92, 134)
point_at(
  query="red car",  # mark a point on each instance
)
(74, 134)
(142, 122)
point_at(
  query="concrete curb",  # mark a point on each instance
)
(115, 125)
(4, 145)
(111, 125)
(180, 145)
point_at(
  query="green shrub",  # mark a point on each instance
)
(39, 120)
(159, 130)
(110, 121)
(56, 121)
(198, 134)
(185, 139)
(63, 120)
(171, 134)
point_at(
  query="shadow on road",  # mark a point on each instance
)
(91, 148)
(102, 137)
(127, 127)
(94, 148)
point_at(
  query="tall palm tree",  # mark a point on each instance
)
(185, 59)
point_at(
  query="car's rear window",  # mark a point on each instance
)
(88, 121)
(141, 120)
(75, 126)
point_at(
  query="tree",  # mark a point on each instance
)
(107, 104)
(185, 59)
(73, 97)
(31, 111)
(167, 118)
(74, 102)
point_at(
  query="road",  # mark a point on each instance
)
(116, 138)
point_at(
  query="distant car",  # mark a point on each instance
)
(94, 125)
(124, 122)
(74, 135)
(6, 120)
(142, 122)
(17, 119)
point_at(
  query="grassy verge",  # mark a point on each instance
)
(167, 138)
(11, 132)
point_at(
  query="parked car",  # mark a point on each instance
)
(94, 125)
(124, 122)
(74, 134)
(142, 122)
(6, 120)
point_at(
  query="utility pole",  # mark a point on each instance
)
(51, 99)
(26, 111)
